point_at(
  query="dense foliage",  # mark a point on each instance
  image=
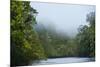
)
(25, 45)
(86, 37)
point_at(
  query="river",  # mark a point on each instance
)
(63, 60)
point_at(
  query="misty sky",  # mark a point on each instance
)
(64, 17)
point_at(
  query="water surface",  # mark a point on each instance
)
(63, 60)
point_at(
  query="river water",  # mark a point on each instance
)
(63, 60)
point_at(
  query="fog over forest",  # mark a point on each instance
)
(51, 33)
(65, 18)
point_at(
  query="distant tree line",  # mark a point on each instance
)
(54, 44)
(59, 45)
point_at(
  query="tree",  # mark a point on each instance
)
(86, 37)
(25, 44)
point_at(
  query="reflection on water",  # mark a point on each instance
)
(63, 61)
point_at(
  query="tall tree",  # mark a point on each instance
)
(86, 37)
(25, 44)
